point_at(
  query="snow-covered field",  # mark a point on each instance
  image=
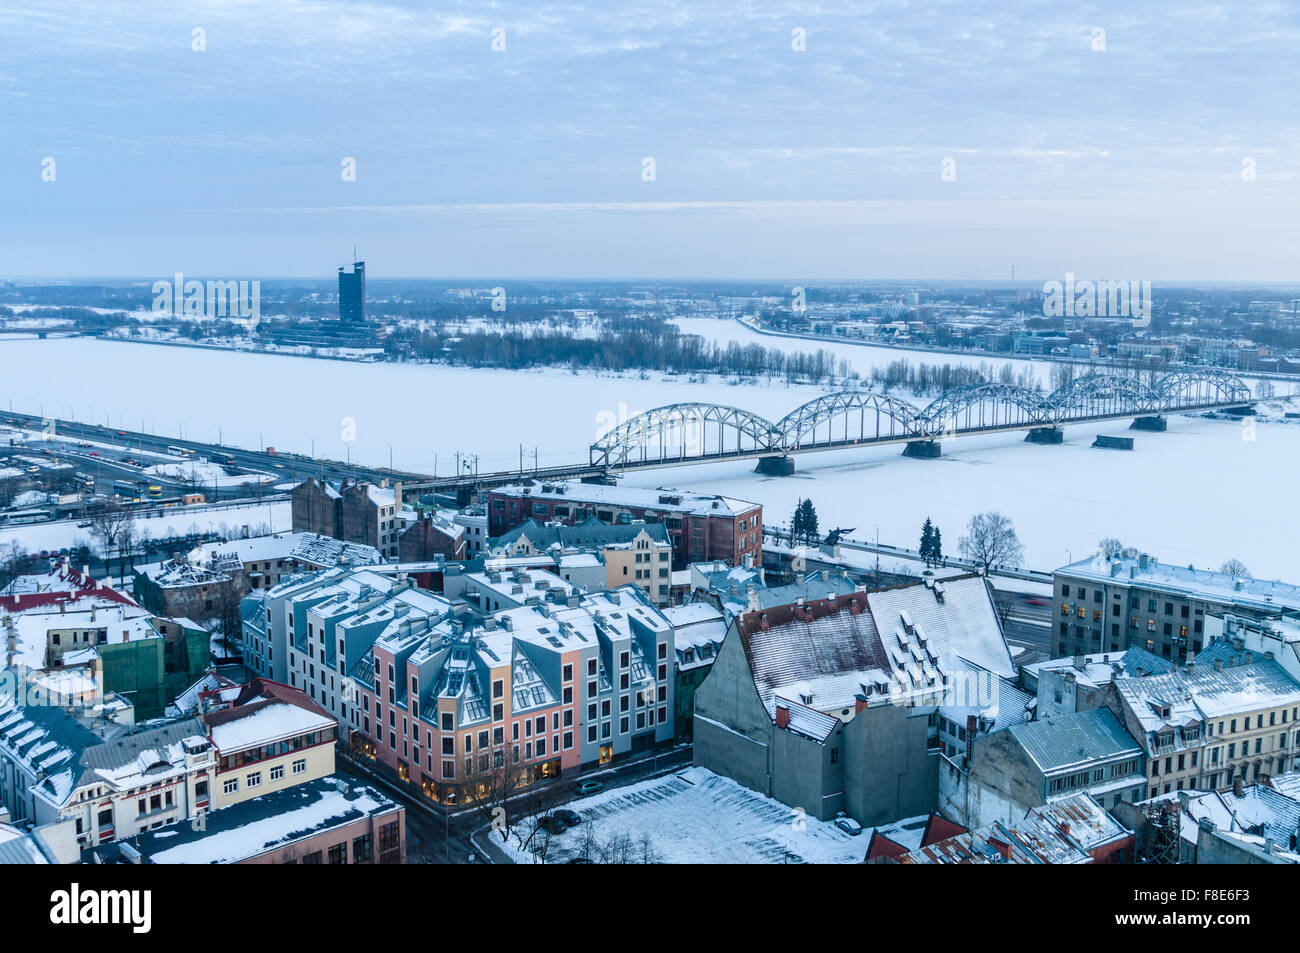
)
(206, 474)
(175, 521)
(861, 357)
(1198, 494)
(697, 817)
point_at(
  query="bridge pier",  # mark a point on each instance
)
(775, 466)
(1045, 435)
(923, 449)
(1156, 423)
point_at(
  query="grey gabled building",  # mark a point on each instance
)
(834, 704)
(1028, 765)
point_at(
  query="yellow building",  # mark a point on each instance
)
(643, 562)
(276, 739)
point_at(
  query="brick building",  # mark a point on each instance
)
(354, 511)
(700, 526)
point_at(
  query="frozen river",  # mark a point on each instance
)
(1198, 494)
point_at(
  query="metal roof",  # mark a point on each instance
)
(1067, 741)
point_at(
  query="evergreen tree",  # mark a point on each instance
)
(936, 547)
(927, 540)
(811, 534)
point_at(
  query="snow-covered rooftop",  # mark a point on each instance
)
(1148, 572)
(662, 500)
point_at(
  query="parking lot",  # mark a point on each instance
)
(693, 816)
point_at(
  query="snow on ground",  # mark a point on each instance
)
(1201, 493)
(174, 521)
(1197, 494)
(697, 817)
(487, 412)
(205, 474)
(862, 357)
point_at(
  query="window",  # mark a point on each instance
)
(230, 786)
(254, 780)
(361, 849)
(277, 773)
(338, 854)
(300, 766)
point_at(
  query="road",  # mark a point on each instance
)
(285, 467)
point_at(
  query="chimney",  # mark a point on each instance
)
(1238, 786)
(1250, 657)
(1218, 665)
(1001, 846)
(972, 729)
(782, 715)
(1064, 827)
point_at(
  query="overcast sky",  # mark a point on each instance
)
(1116, 155)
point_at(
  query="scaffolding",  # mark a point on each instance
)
(1163, 823)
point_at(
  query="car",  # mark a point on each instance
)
(847, 824)
(590, 787)
(121, 433)
(570, 818)
(552, 824)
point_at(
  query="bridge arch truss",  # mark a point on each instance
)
(985, 407)
(1103, 395)
(699, 432)
(848, 418)
(1191, 389)
(684, 433)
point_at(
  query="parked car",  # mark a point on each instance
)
(552, 824)
(847, 824)
(590, 787)
(570, 818)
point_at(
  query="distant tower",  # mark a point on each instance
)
(352, 294)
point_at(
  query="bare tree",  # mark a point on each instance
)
(108, 523)
(1112, 548)
(1235, 568)
(491, 787)
(13, 563)
(990, 541)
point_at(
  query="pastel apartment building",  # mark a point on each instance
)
(537, 690)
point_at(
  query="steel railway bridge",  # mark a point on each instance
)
(687, 433)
